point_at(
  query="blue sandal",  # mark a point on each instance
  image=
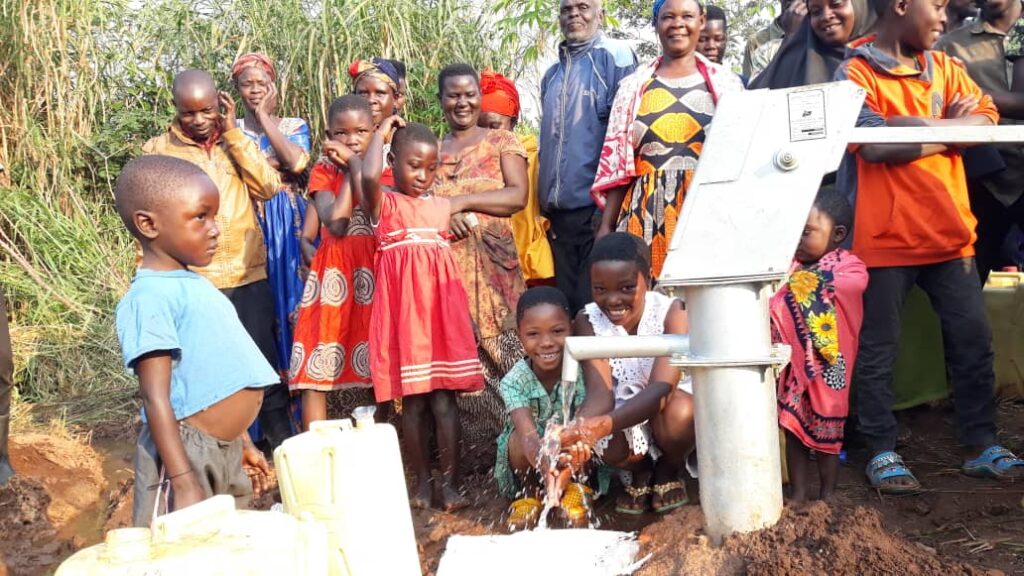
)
(995, 462)
(889, 465)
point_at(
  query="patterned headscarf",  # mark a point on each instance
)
(378, 68)
(499, 94)
(659, 4)
(254, 60)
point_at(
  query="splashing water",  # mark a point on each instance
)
(550, 448)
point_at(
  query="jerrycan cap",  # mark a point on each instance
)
(363, 416)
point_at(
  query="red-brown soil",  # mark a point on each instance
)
(957, 526)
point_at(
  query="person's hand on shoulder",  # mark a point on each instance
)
(389, 125)
(228, 117)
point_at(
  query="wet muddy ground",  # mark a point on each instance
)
(70, 491)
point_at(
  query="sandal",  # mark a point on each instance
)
(641, 499)
(995, 462)
(661, 489)
(523, 514)
(576, 503)
(888, 465)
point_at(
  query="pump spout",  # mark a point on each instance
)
(592, 347)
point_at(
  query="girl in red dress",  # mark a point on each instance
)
(422, 347)
(331, 347)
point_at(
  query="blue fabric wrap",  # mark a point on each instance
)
(658, 4)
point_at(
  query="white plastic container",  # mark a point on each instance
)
(351, 479)
(208, 539)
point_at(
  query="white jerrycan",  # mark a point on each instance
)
(210, 538)
(351, 479)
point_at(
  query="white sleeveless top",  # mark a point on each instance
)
(630, 375)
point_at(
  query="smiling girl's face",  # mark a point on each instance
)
(618, 288)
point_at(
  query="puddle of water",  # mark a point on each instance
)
(88, 528)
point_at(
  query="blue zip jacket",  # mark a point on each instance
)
(576, 98)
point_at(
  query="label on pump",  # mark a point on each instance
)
(807, 115)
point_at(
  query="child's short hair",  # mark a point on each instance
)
(455, 71)
(413, 133)
(349, 103)
(623, 247)
(147, 183)
(882, 7)
(539, 295)
(833, 204)
(712, 12)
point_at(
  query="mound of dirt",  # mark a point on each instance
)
(57, 494)
(818, 539)
(29, 543)
(71, 472)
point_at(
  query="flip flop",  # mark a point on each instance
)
(523, 513)
(665, 488)
(641, 496)
(890, 465)
(994, 462)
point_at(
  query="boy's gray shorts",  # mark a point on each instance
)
(217, 465)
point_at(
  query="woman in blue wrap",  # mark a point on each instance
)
(286, 143)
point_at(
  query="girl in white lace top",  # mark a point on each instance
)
(637, 415)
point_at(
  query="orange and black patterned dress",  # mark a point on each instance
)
(668, 139)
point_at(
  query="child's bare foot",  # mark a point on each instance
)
(421, 498)
(451, 499)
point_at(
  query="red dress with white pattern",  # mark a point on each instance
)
(421, 336)
(331, 349)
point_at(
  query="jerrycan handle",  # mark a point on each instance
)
(363, 416)
(316, 426)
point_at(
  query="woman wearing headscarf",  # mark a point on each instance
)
(499, 110)
(656, 131)
(815, 51)
(285, 143)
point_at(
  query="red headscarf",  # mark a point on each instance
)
(254, 59)
(499, 94)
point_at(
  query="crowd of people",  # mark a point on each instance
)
(444, 274)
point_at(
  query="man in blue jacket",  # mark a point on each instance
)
(576, 97)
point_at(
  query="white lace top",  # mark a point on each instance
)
(630, 375)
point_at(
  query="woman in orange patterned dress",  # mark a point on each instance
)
(656, 132)
(476, 160)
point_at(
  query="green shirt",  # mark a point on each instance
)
(520, 388)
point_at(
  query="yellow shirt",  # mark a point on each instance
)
(529, 228)
(241, 173)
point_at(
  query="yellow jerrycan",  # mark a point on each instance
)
(351, 479)
(210, 538)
